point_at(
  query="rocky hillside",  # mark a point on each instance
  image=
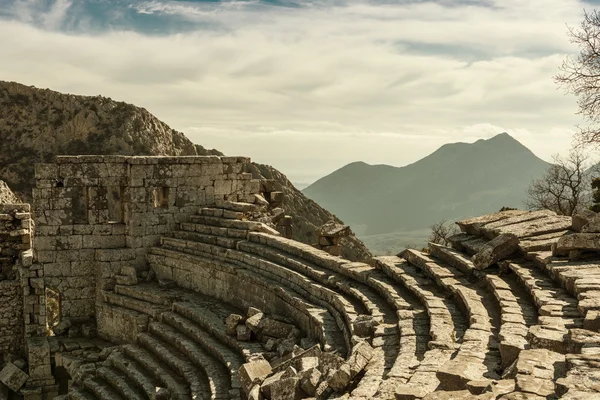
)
(37, 124)
(308, 215)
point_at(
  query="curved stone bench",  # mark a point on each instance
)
(478, 356)
(159, 371)
(120, 383)
(219, 379)
(141, 378)
(443, 331)
(339, 307)
(557, 309)
(237, 285)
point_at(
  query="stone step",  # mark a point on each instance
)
(214, 230)
(314, 320)
(447, 324)
(132, 303)
(478, 357)
(101, 389)
(158, 370)
(550, 299)
(285, 280)
(120, 383)
(76, 393)
(208, 239)
(222, 213)
(148, 293)
(220, 380)
(518, 314)
(238, 206)
(140, 377)
(225, 223)
(355, 270)
(469, 244)
(327, 277)
(556, 308)
(209, 322)
(453, 257)
(153, 342)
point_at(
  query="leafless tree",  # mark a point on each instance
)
(581, 76)
(565, 187)
(441, 231)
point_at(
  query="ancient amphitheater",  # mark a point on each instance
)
(168, 278)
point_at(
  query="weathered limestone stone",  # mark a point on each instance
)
(253, 322)
(579, 241)
(495, 250)
(286, 389)
(364, 325)
(473, 225)
(277, 329)
(243, 333)
(13, 377)
(359, 358)
(581, 219)
(592, 320)
(231, 323)
(310, 381)
(253, 373)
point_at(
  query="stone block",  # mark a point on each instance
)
(253, 373)
(495, 250)
(231, 323)
(13, 377)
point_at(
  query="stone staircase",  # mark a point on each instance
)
(440, 327)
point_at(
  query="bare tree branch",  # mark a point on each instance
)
(581, 76)
(564, 188)
(441, 231)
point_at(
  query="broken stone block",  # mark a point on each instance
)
(495, 250)
(307, 363)
(310, 381)
(266, 385)
(255, 393)
(231, 323)
(364, 325)
(277, 329)
(252, 311)
(253, 322)
(13, 377)
(581, 219)
(479, 387)
(243, 333)
(253, 373)
(340, 378)
(286, 389)
(360, 356)
(62, 327)
(285, 347)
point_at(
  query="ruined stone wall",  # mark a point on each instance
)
(97, 215)
(15, 241)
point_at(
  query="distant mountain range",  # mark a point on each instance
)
(458, 180)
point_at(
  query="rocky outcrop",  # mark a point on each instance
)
(37, 124)
(308, 216)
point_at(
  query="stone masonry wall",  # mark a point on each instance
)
(15, 253)
(97, 215)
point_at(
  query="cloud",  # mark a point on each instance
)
(312, 87)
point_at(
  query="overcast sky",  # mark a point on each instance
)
(309, 86)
